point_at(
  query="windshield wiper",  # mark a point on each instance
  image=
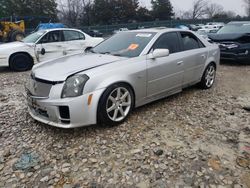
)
(105, 52)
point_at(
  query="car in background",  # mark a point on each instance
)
(193, 27)
(44, 26)
(44, 45)
(120, 30)
(95, 33)
(128, 70)
(218, 24)
(234, 41)
(184, 27)
(205, 32)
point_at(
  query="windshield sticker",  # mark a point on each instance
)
(146, 35)
(133, 46)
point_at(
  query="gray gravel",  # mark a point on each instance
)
(194, 139)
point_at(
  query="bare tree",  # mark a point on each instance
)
(69, 11)
(199, 8)
(213, 9)
(72, 12)
(247, 6)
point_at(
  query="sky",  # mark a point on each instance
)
(234, 5)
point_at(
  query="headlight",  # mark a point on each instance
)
(74, 85)
(229, 45)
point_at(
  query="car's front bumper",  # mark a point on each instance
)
(241, 57)
(66, 113)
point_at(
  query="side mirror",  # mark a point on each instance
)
(157, 53)
(43, 51)
(88, 49)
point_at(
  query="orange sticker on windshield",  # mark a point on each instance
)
(133, 47)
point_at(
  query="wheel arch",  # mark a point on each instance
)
(16, 53)
(120, 82)
(212, 62)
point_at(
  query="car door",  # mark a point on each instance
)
(165, 74)
(195, 55)
(76, 42)
(50, 46)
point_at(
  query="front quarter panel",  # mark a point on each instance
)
(131, 71)
(5, 53)
(213, 55)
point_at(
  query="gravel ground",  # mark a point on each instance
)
(194, 139)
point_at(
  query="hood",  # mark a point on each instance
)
(13, 45)
(59, 69)
(226, 37)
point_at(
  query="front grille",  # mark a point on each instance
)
(38, 88)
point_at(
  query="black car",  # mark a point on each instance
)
(95, 33)
(234, 41)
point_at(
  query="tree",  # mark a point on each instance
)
(162, 9)
(213, 9)
(143, 14)
(114, 11)
(225, 15)
(199, 9)
(69, 11)
(28, 8)
(247, 5)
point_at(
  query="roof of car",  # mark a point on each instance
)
(56, 29)
(157, 30)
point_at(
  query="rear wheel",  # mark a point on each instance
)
(21, 62)
(115, 104)
(16, 36)
(208, 77)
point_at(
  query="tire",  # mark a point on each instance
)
(114, 108)
(21, 62)
(208, 77)
(16, 35)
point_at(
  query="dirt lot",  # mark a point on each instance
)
(194, 139)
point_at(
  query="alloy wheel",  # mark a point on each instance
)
(118, 104)
(210, 76)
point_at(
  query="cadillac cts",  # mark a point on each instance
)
(128, 70)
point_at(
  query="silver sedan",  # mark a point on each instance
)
(128, 70)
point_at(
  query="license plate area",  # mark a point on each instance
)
(32, 103)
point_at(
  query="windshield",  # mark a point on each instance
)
(32, 38)
(126, 44)
(235, 28)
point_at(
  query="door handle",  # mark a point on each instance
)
(59, 46)
(203, 56)
(180, 63)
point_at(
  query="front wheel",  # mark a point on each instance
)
(21, 62)
(115, 104)
(208, 77)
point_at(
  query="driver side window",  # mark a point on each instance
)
(52, 36)
(168, 41)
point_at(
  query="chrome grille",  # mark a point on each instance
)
(38, 88)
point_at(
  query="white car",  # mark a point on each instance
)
(45, 45)
(205, 32)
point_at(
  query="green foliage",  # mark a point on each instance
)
(28, 7)
(162, 9)
(114, 11)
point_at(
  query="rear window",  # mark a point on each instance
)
(190, 41)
